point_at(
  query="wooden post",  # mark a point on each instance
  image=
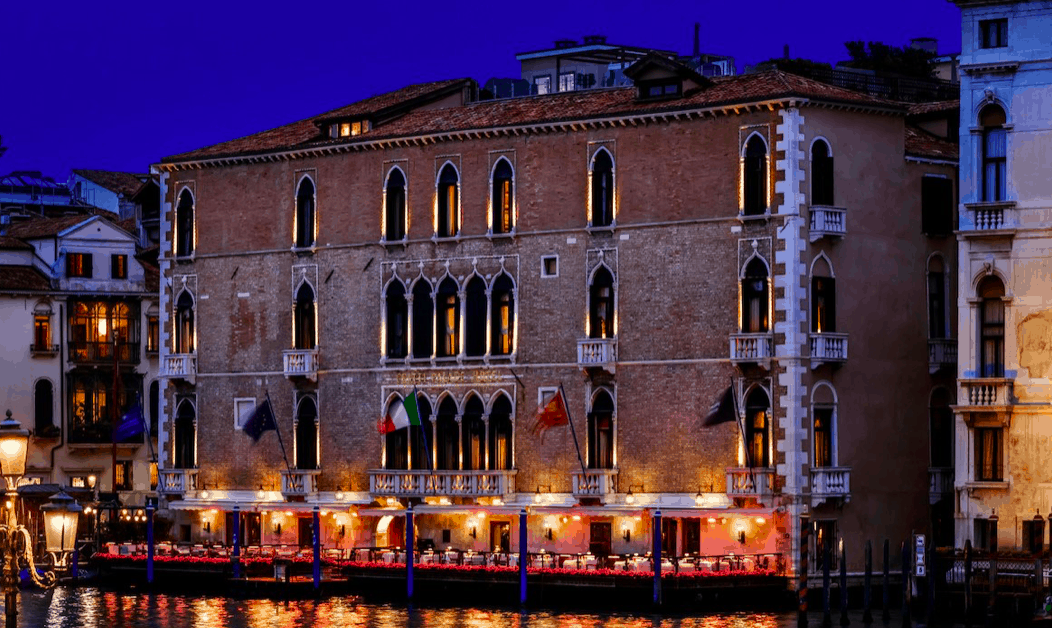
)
(522, 556)
(410, 544)
(149, 543)
(843, 585)
(867, 588)
(827, 619)
(316, 529)
(991, 606)
(657, 558)
(801, 609)
(906, 623)
(968, 584)
(885, 615)
(235, 552)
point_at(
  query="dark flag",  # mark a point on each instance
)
(722, 411)
(131, 424)
(261, 420)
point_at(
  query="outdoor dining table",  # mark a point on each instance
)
(428, 558)
(686, 566)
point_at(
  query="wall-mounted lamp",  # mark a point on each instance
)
(204, 491)
(343, 531)
(630, 498)
(699, 499)
(537, 494)
(741, 536)
(260, 494)
(548, 533)
(339, 494)
(627, 536)
(277, 529)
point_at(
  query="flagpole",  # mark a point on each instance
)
(277, 428)
(569, 418)
(113, 415)
(423, 431)
(741, 428)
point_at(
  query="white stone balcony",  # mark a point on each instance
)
(752, 348)
(176, 482)
(830, 483)
(940, 483)
(992, 218)
(942, 354)
(757, 483)
(299, 482)
(597, 353)
(301, 363)
(404, 483)
(595, 483)
(827, 222)
(985, 393)
(180, 366)
(828, 347)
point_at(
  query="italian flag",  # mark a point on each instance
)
(401, 414)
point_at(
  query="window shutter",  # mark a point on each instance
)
(89, 267)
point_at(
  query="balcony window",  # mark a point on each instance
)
(823, 305)
(754, 307)
(396, 443)
(754, 177)
(119, 266)
(821, 174)
(503, 313)
(566, 81)
(184, 324)
(42, 332)
(423, 320)
(500, 434)
(757, 429)
(97, 327)
(43, 408)
(396, 323)
(993, 33)
(448, 223)
(92, 413)
(394, 206)
(989, 454)
(936, 206)
(305, 218)
(447, 436)
(306, 434)
(601, 305)
(417, 441)
(122, 480)
(601, 432)
(992, 327)
(448, 319)
(602, 189)
(184, 225)
(185, 449)
(994, 153)
(542, 85)
(475, 325)
(503, 199)
(79, 265)
(473, 431)
(304, 333)
(823, 437)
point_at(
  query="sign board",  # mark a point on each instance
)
(920, 567)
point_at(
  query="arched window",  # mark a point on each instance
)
(155, 406)
(601, 432)
(503, 313)
(184, 323)
(601, 305)
(757, 429)
(394, 206)
(397, 320)
(304, 335)
(186, 436)
(500, 434)
(754, 308)
(305, 214)
(420, 452)
(473, 430)
(755, 184)
(447, 436)
(995, 139)
(448, 205)
(396, 443)
(602, 189)
(937, 327)
(992, 327)
(475, 310)
(941, 429)
(823, 410)
(821, 174)
(184, 224)
(503, 199)
(423, 320)
(448, 319)
(823, 297)
(43, 407)
(307, 434)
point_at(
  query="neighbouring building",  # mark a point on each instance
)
(79, 313)
(645, 248)
(132, 198)
(1003, 410)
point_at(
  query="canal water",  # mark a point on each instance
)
(89, 607)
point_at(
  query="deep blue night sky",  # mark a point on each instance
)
(118, 86)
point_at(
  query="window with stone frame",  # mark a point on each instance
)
(396, 324)
(394, 206)
(502, 199)
(448, 317)
(823, 304)
(992, 327)
(993, 33)
(184, 236)
(994, 175)
(821, 174)
(423, 320)
(305, 214)
(185, 330)
(501, 434)
(755, 313)
(502, 310)
(304, 332)
(448, 206)
(307, 433)
(757, 429)
(754, 185)
(601, 432)
(473, 435)
(185, 437)
(476, 311)
(602, 189)
(989, 454)
(823, 437)
(601, 305)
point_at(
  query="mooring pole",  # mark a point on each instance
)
(149, 543)
(801, 609)
(827, 617)
(968, 584)
(657, 558)
(906, 585)
(410, 543)
(235, 551)
(867, 586)
(885, 615)
(843, 584)
(316, 528)
(522, 556)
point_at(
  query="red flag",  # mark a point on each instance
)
(551, 414)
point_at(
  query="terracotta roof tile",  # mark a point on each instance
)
(125, 183)
(44, 227)
(14, 244)
(23, 278)
(152, 277)
(941, 106)
(920, 143)
(559, 107)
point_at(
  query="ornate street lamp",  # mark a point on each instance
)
(61, 515)
(16, 545)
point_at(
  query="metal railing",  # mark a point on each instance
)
(412, 483)
(942, 352)
(102, 351)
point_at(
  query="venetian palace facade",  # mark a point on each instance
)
(644, 247)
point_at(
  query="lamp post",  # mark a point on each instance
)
(16, 545)
(61, 514)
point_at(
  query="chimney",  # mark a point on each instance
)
(594, 40)
(785, 51)
(697, 39)
(565, 43)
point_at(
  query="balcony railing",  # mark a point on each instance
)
(940, 483)
(828, 347)
(597, 352)
(301, 363)
(746, 482)
(989, 392)
(828, 222)
(180, 366)
(942, 353)
(299, 482)
(755, 348)
(830, 483)
(43, 350)
(404, 483)
(102, 351)
(990, 216)
(176, 482)
(595, 483)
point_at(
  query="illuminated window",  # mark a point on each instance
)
(396, 443)
(500, 434)
(601, 432)
(153, 334)
(394, 206)
(448, 188)
(473, 435)
(448, 319)
(601, 305)
(119, 266)
(91, 413)
(42, 333)
(503, 218)
(542, 85)
(989, 455)
(754, 306)
(304, 333)
(153, 476)
(823, 437)
(566, 81)
(345, 129)
(79, 265)
(123, 477)
(184, 225)
(755, 183)
(994, 151)
(184, 324)
(503, 316)
(757, 429)
(94, 328)
(602, 189)
(823, 305)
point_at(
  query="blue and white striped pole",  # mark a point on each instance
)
(657, 558)
(235, 554)
(149, 542)
(316, 517)
(522, 556)
(410, 541)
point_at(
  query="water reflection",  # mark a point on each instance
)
(63, 607)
